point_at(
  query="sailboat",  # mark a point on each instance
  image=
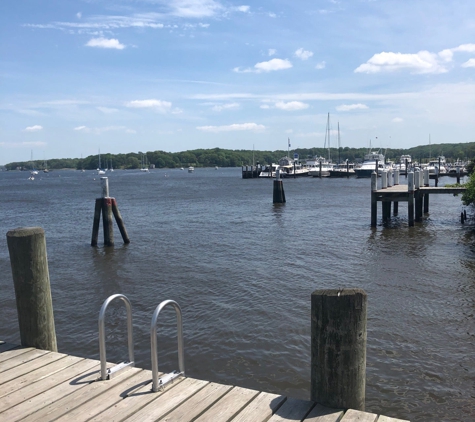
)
(320, 166)
(144, 163)
(33, 171)
(99, 169)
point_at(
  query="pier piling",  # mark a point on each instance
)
(410, 199)
(279, 195)
(107, 206)
(338, 348)
(374, 200)
(27, 249)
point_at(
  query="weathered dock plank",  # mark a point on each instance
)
(292, 410)
(388, 419)
(358, 416)
(12, 358)
(230, 405)
(198, 403)
(47, 402)
(67, 404)
(136, 400)
(324, 414)
(116, 390)
(28, 371)
(11, 353)
(168, 401)
(22, 403)
(261, 408)
(32, 371)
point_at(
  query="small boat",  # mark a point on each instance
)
(291, 168)
(343, 170)
(181, 168)
(191, 169)
(403, 161)
(269, 170)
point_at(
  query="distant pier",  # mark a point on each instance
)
(415, 193)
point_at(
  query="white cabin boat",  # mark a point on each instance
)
(191, 169)
(369, 165)
(319, 167)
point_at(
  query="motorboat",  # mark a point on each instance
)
(292, 168)
(343, 170)
(437, 167)
(319, 167)
(369, 165)
(191, 169)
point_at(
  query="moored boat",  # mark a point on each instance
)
(369, 164)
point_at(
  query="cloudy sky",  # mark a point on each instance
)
(173, 75)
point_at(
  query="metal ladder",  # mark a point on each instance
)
(157, 382)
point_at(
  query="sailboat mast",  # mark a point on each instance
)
(328, 130)
(339, 146)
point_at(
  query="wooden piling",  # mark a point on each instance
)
(27, 248)
(426, 203)
(396, 208)
(410, 199)
(96, 222)
(279, 195)
(338, 348)
(386, 205)
(374, 199)
(107, 222)
(119, 221)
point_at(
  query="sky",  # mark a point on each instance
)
(174, 75)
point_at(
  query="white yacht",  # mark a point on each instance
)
(191, 169)
(319, 167)
(369, 164)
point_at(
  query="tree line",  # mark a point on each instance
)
(236, 158)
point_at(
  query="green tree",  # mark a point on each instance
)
(468, 197)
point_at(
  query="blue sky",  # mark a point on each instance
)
(173, 75)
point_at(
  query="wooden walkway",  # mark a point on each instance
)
(37, 385)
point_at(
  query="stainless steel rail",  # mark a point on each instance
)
(160, 382)
(108, 373)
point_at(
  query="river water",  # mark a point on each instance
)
(243, 271)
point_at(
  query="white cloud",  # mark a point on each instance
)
(421, 62)
(79, 15)
(159, 105)
(272, 51)
(271, 65)
(467, 48)
(107, 110)
(265, 106)
(291, 105)
(397, 120)
(303, 54)
(232, 128)
(320, 65)
(272, 15)
(105, 43)
(244, 9)
(228, 106)
(100, 130)
(469, 63)
(349, 107)
(34, 128)
(194, 8)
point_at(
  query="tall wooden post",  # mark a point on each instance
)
(27, 248)
(374, 199)
(396, 208)
(279, 195)
(338, 347)
(320, 171)
(410, 199)
(426, 203)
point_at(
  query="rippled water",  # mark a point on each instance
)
(243, 271)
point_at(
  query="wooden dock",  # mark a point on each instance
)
(37, 385)
(415, 194)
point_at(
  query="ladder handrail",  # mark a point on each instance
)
(102, 338)
(153, 345)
